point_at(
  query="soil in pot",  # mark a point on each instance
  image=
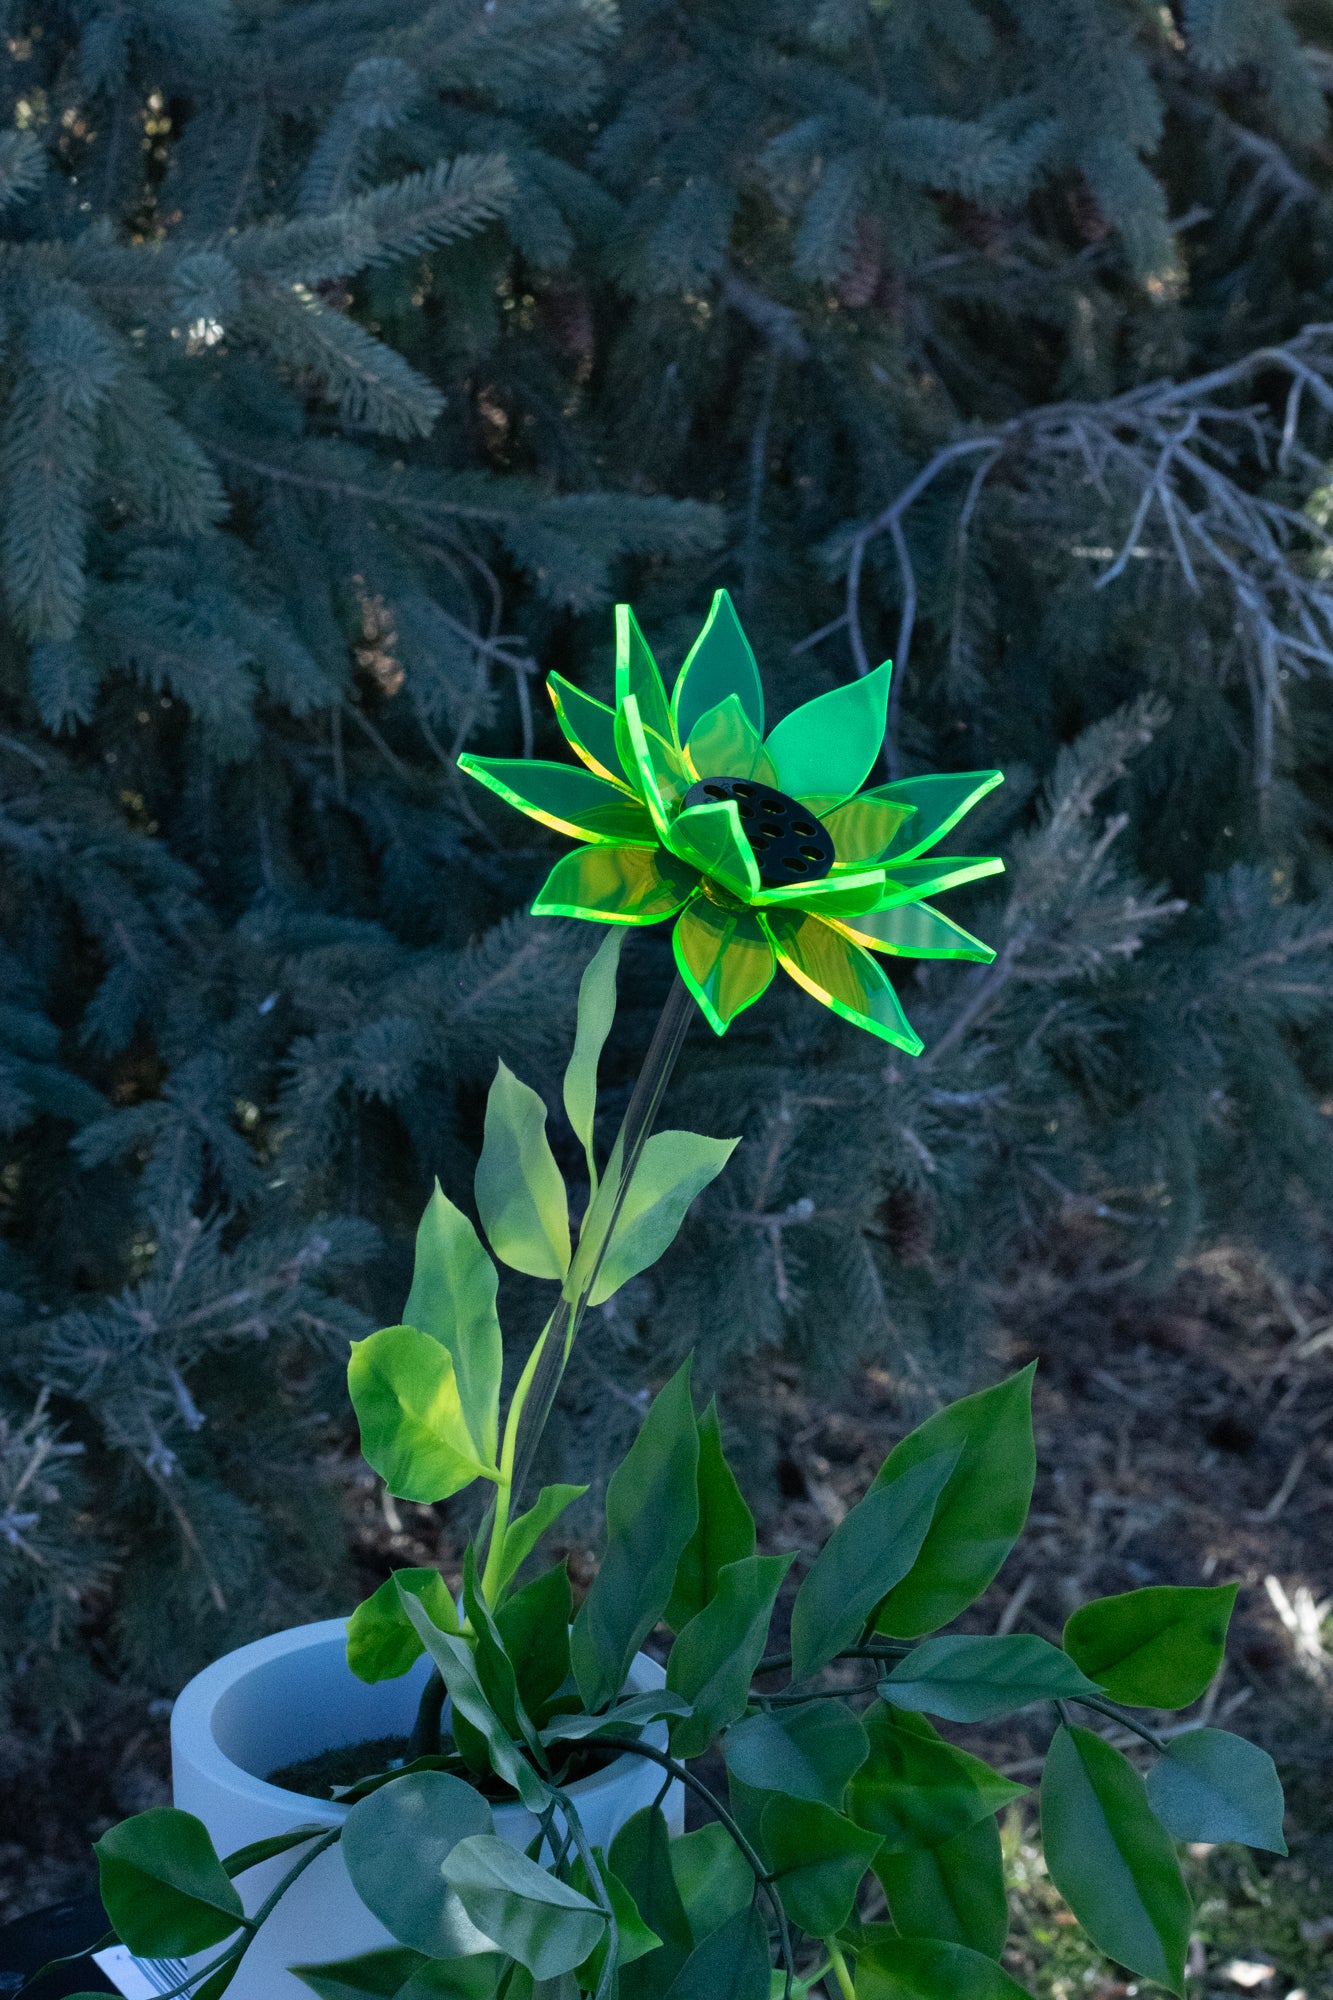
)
(330, 1773)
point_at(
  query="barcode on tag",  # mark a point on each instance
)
(140, 1978)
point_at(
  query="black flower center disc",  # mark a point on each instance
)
(788, 841)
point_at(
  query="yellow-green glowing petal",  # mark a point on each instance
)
(940, 801)
(833, 896)
(910, 881)
(725, 958)
(645, 759)
(825, 750)
(841, 975)
(719, 663)
(589, 727)
(862, 829)
(724, 743)
(710, 837)
(564, 797)
(914, 930)
(636, 674)
(616, 885)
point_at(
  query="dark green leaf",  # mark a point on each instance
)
(972, 1679)
(1153, 1648)
(495, 1669)
(712, 1662)
(458, 1671)
(819, 1859)
(350, 1795)
(476, 1978)
(534, 1625)
(264, 1850)
(394, 1844)
(381, 1641)
(954, 1891)
(630, 1714)
(731, 1964)
(714, 1878)
(372, 1975)
(1111, 1859)
(652, 1509)
(163, 1887)
(530, 1913)
(807, 1752)
(1211, 1785)
(915, 1790)
(980, 1513)
(634, 1940)
(526, 1530)
(641, 1857)
(725, 1532)
(868, 1552)
(924, 1969)
(218, 1982)
(453, 1300)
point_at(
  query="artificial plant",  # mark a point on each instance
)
(854, 1847)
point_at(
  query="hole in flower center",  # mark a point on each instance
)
(787, 843)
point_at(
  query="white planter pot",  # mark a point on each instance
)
(286, 1698)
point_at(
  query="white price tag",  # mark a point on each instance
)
(140, 1978)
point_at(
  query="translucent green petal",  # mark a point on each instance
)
(910, 881)
(835, 896)
(564, 797)
(616, 885)
(827, 748)
(862, 829)
(710, 837)
(719, 663)
(915, 930)
(724, 743)
(644, 755)
(589, 727)
(841, 975)
(636, 674)
(725, 958)
(940, 802)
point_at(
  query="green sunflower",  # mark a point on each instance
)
(763, 848)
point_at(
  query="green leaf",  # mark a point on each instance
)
(520, 1195)
(968, 1679)
(807, 1752)
(712, 1662)
(453, 1300)
(720, 663)
(1111, 1859)
(714, 1878)
(458, 1671)
(981, 1511)
(164, 1889)
(826, 749)
(732, 1961)
(652, 1509)
(915, 1790)
(1153, 1648)
(925, 1969)
(398, 1974)
(257, 1851)
(634, 1940)
(476, 1978)
(526, 1530)
(394, 1844)
(725, 1533)
(673, 1168)
(630, 1714)
(530, 1913)
(381, 1644)
(641, 1857)
(819, 1859)
(597, 1010)
(954, 1891)
(1211, 1785)
(494, 1668)
(413, 1431)
(534, 1625)
(874, 1546)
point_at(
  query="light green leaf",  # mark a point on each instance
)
(1153, 1648)
(597, 1010)
(725, 1533)
(874, 1546)
(968, 1679)
(530, 1913)
(720, 663)
(732, 1961)
(453, 1300)
(819, 1859)
(808, 1751)
(1111, 1859)
(413, 1432)
(526, 1530)
(980, 1513)
(714, 1878)
(165, 1892)
(1211, 1785)
(652, 1509)
(394, 1844)
(381, 1644)
(712, 1662)
(926, 1969)
(825, 750)
(520, 1195)
(954, 1891)
(641, 1857)
(914, 1789)
(673, 1168)
(458, 1671)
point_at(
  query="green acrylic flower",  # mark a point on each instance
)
(763, 848)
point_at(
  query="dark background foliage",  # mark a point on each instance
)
(358, 355)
